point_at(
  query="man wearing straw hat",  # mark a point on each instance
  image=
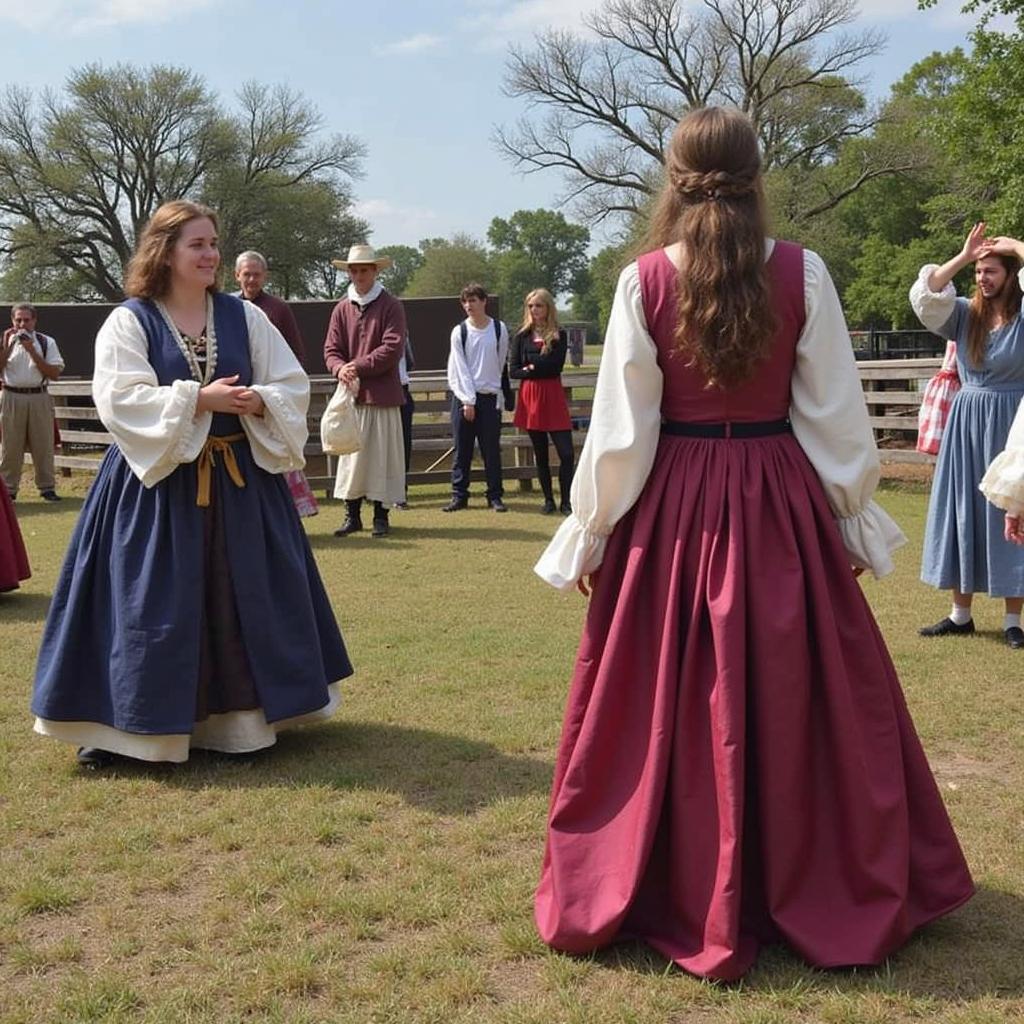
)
(365, 341)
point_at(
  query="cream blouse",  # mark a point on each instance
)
(157, 427)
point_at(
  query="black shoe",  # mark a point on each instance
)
(456, 505)
(352, 524)
(947, 627)
(381, 528)
(1014, 637)
(498, 505)
(50, 496)
(565, 508)
(94, 758)
(400, 504)
(548, 507)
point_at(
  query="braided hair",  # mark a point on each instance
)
(712, 203)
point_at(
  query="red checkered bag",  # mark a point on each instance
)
(302, 493)
(935, 403)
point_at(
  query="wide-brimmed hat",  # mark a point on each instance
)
(363, 254)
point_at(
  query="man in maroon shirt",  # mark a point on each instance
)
(365, 341)
(251, 275)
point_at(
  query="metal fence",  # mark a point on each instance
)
(916, 344)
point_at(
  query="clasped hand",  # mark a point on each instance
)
(224, 395)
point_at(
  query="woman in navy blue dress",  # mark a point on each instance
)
(189, 611)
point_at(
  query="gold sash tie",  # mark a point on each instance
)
(207, 460)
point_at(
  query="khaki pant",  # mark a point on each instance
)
(26, 423)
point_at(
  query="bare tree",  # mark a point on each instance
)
(602, 108)
(83, 170)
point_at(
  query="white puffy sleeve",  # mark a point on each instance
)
(830, 421)
(155, 426)
(936, 310)
(621, 442)
(1003, 482)
(278, 437)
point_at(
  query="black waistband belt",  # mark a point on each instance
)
(764, 428)
(24, 391)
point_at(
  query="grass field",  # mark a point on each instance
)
(380, 868)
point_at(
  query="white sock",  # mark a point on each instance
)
(1011, 620)
(961, 614)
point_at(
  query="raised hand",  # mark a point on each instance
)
(976, 244)
(1003, 245)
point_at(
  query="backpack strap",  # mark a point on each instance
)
(464, 333)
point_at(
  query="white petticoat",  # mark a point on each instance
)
(377, 471)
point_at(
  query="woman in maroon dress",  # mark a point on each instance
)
(536, 357)
(737, 763)
(13, 560)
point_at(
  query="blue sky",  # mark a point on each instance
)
(418, 82)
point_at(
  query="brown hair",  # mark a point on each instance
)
(983, 311)
(473, 291)
(713, 203)
(148, 275)
(549, 333)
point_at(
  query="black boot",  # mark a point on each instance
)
(381, 527)
(544, 479)
(565, 475)
(353, 518)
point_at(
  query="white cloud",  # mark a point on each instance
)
(496, 22)
(395, 224)
(74, 16)
(412, 44)
(945, 15)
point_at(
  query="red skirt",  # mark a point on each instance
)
(542, 405)
(737, 763)
(13, 559)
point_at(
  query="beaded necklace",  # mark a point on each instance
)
(200, 352)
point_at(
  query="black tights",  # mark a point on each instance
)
(562, 440)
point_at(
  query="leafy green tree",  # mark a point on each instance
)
(537, 249)
(593, 303)
(407, 259)
(450, 264)
(81, 172)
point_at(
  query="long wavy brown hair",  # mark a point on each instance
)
(148, 275)
(713, 203)
(983, 312)
(549, 332)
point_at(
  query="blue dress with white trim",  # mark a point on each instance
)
(964, 547)
(123, 636)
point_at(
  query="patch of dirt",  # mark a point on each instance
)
(952, 769)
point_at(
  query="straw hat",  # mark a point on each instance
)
(363, 254)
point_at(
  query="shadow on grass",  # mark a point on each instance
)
(403, 536)
(31, 509)
(440, 772)
(18, 606)
(971, 954)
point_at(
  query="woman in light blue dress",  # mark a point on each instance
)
(965, 549)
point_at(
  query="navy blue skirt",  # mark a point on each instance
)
(124, 635)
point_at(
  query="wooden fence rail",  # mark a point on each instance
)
(892, 390)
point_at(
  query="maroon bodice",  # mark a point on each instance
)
(765, 396)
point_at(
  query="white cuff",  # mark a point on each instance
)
(573, 552)
(870, 537)
(1003, 482)
(193, 426)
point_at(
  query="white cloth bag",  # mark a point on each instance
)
(339, 428)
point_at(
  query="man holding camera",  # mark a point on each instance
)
(29, 360)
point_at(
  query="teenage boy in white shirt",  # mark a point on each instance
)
(479, 353)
